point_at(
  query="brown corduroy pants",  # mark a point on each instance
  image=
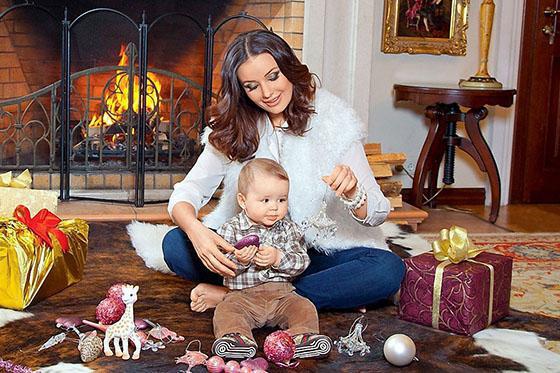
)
(268, 304)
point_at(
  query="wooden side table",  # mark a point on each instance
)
(443, 110)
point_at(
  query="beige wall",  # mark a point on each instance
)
(342, 43)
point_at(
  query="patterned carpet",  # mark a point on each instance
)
(536, 265)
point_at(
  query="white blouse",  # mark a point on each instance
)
(209, 170)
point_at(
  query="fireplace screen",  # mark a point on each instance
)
(104, 135)
(127, 99)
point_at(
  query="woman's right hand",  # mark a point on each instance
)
(207, 245)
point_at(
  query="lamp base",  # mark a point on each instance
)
(482, 82)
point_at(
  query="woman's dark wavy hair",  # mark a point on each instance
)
(234, 117)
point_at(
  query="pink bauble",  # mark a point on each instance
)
(257, 363)
(109, 311)
(141, 324)
(232, 366)
(69, 321)
(279, 347)
(115, 291)
(215, 364)
(245, 370)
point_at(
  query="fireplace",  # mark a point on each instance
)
(121, 110)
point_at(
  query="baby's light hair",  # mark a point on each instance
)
(259, 165)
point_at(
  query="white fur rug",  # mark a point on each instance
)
(66, 368)
(147, 240)
(7, 316)
(522, 347)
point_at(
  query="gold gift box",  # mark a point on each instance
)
(34, 199)
(30, 270)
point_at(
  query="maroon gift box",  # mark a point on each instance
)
(465, 292)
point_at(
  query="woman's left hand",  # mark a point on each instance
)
(342, 181)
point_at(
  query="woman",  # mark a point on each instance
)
(268, 107)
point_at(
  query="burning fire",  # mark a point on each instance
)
(116, 99)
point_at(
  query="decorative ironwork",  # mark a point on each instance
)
(31, 123)
(54, 128)
(28, 128)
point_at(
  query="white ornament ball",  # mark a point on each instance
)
(399, 349)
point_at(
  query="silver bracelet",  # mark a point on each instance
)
(358, 200)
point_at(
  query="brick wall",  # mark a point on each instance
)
(285, 17)
(12, 79)
(28, 60)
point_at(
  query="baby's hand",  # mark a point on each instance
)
(245, 254)
(267, 256)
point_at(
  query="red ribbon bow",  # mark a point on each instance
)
(42, 224)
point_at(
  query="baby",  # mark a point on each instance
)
(261, 293)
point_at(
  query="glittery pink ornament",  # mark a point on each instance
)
(109, 311)
(279, 348)
(115, 291)
(232, 366)
(215, 364)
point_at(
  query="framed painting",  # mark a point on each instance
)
(425, 26)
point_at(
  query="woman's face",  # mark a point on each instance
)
(265, 85)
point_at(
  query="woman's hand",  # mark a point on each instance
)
(246, 254)
(267, 256)
(207, 245)
(342, 181)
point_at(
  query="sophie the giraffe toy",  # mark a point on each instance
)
(124, 329)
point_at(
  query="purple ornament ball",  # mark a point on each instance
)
(109, 311)
(279, 347)
(249, 240)
(215, 364)
(232, 366)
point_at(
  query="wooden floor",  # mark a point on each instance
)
(514, 218)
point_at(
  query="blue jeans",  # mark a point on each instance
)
(344, 279)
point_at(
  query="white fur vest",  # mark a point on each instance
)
(307, 158)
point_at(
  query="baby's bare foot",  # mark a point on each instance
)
(205, 296)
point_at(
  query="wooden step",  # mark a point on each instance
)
(408, 214)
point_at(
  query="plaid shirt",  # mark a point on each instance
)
(284, 235)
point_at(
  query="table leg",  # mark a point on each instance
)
(472, 126)
(429, 154)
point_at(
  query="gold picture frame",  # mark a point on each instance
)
(425, 26)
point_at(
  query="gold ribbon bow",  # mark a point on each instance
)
(22, 181)
(454, 247)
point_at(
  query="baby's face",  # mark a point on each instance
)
(266, 201)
